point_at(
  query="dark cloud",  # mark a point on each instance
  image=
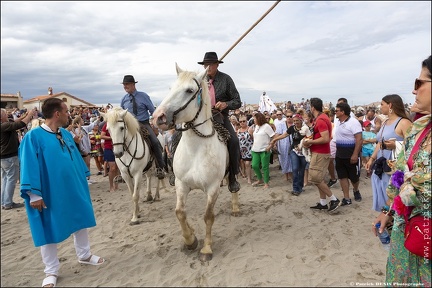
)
(299, 50)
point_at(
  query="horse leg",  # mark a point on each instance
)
(206, 253)
(157, 196)
(135, 189)
(235, 204)
(188, 232)
(162, 181)
(149, 194)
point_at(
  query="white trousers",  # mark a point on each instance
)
(49, 252)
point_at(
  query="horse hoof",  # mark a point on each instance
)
(134, 223)
(235, 214)
(193, 246)
(205, 257)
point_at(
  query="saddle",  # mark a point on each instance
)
(217, 116)
(145, 136)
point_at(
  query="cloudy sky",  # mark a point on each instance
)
(358, 50)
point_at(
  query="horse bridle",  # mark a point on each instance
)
(126, 148)
(190, 124)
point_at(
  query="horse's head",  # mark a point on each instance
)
(122, 126)
(187, 98)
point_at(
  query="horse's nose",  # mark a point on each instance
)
(118, 155)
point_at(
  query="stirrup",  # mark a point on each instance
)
(160, 174)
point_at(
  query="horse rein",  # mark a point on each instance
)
(190, 124)
(126, 149)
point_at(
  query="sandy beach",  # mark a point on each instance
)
(277, 241)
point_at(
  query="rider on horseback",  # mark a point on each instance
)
(224, 97)
(140, 105)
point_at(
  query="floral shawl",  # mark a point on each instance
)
(410, 191)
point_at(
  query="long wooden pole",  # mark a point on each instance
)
(256, 23)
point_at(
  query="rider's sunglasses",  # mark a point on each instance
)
(419, 82)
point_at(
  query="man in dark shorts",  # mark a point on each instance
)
(348, 146)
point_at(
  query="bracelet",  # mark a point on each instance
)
(372, 158)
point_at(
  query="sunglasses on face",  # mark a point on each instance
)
(419, 82)
(278, 114)
(242, 121)
(288, 116)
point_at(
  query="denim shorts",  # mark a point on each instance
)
(109, 155)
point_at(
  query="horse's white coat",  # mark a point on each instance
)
(132, 155)
(199, 162)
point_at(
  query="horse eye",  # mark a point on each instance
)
(189, 90)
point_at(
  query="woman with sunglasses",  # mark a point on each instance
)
(262, 135)
(413, 195)
(284, 144)
(244, 133)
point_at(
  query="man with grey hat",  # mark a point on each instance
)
(225, 98)
(141, 106)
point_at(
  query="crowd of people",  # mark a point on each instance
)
(314, 145)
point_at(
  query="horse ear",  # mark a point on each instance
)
(201, 76)
(178, 69)
(123, 113)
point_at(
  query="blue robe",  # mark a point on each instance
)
(58, 174)
(284, 147)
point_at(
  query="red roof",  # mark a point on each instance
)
(45, 97)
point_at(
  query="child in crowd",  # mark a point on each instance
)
(369, 141)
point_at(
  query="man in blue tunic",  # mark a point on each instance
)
(54, 187)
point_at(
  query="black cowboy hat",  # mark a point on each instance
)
(128, 79)
(210, 57)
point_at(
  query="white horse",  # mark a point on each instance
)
(133, 155)
(201, 158)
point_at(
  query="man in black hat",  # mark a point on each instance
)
(226, 98)
(141, 106)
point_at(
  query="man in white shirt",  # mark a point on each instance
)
(348, 137)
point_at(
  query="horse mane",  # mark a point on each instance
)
(131, 122)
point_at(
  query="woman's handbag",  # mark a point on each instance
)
(417, 229)
(417, 236)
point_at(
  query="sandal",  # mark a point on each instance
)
(93, 260)
(257, 183)
(49, 281)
